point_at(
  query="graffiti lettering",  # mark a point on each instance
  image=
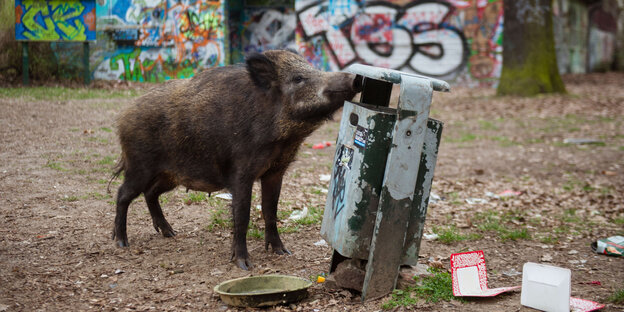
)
(269, 29)
(452, 39)
(54, 20)
(414, 37)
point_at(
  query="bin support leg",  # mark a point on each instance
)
(85, 61)
(25, 63)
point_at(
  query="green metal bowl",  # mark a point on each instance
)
(263, 290)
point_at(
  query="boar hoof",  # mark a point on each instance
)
(277, 248)
(165, 229)
(244, 264)
(120, 241)
(282, 251)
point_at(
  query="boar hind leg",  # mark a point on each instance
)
(127, 192)
(271, 188)
(241, 202)
(161, 185)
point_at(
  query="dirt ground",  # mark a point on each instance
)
(57, 150)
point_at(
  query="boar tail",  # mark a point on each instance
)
(118, 169)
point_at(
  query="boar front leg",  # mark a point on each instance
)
(271, 187)
(241, 203)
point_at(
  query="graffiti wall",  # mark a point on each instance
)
(460, 41)
(54, 20)
(156, 40)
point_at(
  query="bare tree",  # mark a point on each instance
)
(529, 58)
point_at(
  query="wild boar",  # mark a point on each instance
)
(224, 129)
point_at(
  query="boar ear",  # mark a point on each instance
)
(262, 70)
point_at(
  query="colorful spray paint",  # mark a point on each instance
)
(54, 20)
(157, 40)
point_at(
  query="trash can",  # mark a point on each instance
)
(382, 174)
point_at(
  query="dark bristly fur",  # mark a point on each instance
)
(224, 129)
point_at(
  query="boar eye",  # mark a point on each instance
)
(298, 79)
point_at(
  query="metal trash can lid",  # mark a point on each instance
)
(394, 76)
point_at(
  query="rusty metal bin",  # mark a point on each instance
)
(382, 175)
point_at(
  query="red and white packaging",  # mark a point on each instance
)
(470, 276)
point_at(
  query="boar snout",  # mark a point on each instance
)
(343, 86)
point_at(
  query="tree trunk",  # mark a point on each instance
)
(529, 58)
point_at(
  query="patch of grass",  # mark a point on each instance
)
(450, 234)
(429, 288)
(463, 138)
(62, 93)
(55, 165)
(70, 198)
(617, 297)
(534, 141)
(493, 221)
(619, 220)
(549, 239)
(487, 125)
(220, 218)
(195, 197)
(99, 196)
(569, 216)
(315, 216)
(515, 234)
(289, 229)
(107, 161)
(255, 232)
(504, 141)
(106, 129)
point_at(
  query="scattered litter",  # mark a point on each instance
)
(597, 283)
(612, 246)
(503, 194)
(581, 141)
(546, 258)
(472, 201)
(434, 198)
(321, 243)
(432, 236)
(322, 145)
(178, 271)
(512, 272)
(325, 177)
(605, 172)
(104, 276)
(320, 279)
(545, 287)
(299, 214)
(226, 196)
(572, 252)
(509, 193)
(119, 271)
(583, 305)
(469, 276)
(259, 207)
(492, 195)
(548, 288)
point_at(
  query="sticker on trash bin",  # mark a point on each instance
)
(361, 136)
(470, 276)
(345, 157)
(612, 246)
